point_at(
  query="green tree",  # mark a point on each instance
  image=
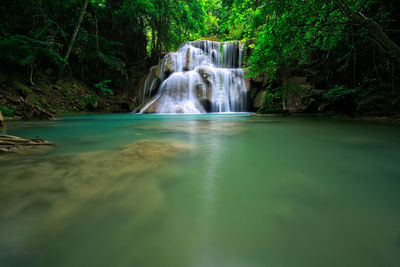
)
(73, 37)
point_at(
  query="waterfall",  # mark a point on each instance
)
(202, 76)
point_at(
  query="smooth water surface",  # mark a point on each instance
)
(202, 190)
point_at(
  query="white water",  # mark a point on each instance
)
(202, 76)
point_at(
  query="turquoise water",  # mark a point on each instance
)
(202, 190)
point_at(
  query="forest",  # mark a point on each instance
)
(80, 55)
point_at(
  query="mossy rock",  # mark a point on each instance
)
(91, 103)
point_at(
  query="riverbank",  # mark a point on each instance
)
(70, 95)
(381, 119)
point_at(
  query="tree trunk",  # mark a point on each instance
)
(72, 41)
(31, 73)
(375, 31)
(32, 112)
(153, 43)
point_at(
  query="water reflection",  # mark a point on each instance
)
(213, 150)
(41, 196)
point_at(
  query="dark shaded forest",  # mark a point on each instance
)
(301, 56)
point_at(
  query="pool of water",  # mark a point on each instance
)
(202, 190)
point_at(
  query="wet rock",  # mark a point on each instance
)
(187, 62)
(204, 95)
(247, 80)
(207, 73)
(168, 104)
(9, 143)
(207, 104)
(158, 70)
(2, 122)
(149, 86)
(153, 106)
(179, 110)
(164, 67)
(201, 91)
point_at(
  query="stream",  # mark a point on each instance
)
(202, 190)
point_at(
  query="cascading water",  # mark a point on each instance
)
(202, 76)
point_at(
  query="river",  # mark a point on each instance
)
(202, 190)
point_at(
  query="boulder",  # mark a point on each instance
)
(203, 94)
(206, 73)
(204, 90)
(2, 122)
(151, 108)
(299, 94)
(259, 99)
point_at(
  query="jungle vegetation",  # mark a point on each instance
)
(347, 48)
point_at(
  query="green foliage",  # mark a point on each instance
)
(6, 111)
(321, 38)
(326, 39)
(103, 88)
(89, 102)
(272, 103)
(24, 50)
(112, 35)
(168, 23)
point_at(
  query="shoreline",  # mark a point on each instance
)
(378, 119)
